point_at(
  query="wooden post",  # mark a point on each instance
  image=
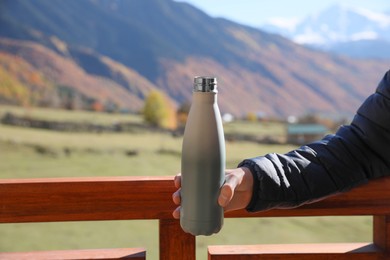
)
(174, 242)
(382, 233)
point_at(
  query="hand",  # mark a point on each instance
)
(236, 192)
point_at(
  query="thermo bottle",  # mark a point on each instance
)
(203, 162)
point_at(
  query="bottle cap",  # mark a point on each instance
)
(205, 84)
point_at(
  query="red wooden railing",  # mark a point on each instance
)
(130, 198)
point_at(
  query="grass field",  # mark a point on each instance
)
(66, 115)
(34, 153)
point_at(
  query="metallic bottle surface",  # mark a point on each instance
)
(203, 162)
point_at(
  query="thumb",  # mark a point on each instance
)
(225, 195)
(227, 190)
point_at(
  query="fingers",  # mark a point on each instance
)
(176, 197)
(176, 213)
(177, 181)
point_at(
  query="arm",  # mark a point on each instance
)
(354, 155)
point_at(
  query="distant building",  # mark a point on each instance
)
(305, 133)
(227, 118)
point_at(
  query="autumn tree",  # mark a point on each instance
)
(251, 117)
(158, 111)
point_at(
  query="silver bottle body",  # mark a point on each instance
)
(203, 166)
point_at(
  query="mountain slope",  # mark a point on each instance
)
(65, 72)
(126, 48)
(21, 84)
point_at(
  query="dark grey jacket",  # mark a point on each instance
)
(355, 154)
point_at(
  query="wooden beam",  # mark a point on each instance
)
(78, 199)
(369, 199)
(339, 251)
(122, 198)
(106, 254)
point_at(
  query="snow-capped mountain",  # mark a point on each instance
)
(338, 27)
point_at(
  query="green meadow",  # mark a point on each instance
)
(37, 153)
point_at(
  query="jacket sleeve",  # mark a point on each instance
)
(354, 155)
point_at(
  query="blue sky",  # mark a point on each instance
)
(257, 12)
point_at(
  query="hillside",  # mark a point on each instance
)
(21, 84)
(65, 74)
(120, 50)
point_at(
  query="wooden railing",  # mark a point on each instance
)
(130, 198)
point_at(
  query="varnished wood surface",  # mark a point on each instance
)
(106, 254)
(120, 198)
(339, 251)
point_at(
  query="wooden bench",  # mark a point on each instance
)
(130, 198)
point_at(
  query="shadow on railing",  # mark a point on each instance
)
(130, 198)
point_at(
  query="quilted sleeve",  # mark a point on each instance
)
(355, 154)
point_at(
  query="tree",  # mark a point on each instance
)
(158, 111)
(251, 117)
